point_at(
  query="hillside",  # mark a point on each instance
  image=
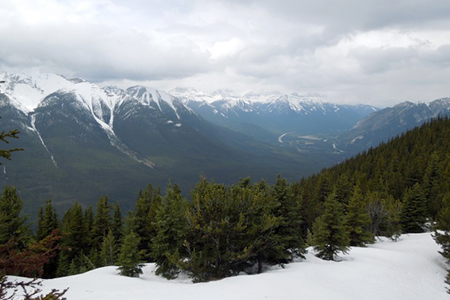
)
(82, 141)
(410, 269)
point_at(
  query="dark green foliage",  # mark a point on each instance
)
(47, 220)
(442, 228)
(88, 226)
(329, 230)
(102, 223)
(129, 261)
(228, 229)
(12, 225)
(143, 218)
(231, 229)
(5, 136)
(387, 172)
(171, 230)
(291, 219)
(442, 231)
(47, 223)
(414, 213)
(358, 219)
(117, 223)
(109, 250)
(72, 259)
(384, 212)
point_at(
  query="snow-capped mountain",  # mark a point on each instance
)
(273, 112)
(392, 121)
(82, 141)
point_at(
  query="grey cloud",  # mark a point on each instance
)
(101, 52)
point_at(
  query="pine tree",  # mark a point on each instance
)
(12, 225)
(47, 220)
(290, 228)
(330, 233)
(88, 227)
(144, 217)
(414, 214)
(117, 223)
(261, 232)
(75, 241)
(109, 250)
(442, 231)
(5, 136)
(102, 223)
(129, 260)
(171, 230)
(442, 228)
(358, 219)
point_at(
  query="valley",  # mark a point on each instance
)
(82, 141)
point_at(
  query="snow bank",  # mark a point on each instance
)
(405, 270)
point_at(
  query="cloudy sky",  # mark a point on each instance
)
(380, 52)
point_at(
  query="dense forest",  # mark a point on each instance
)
(402, 186)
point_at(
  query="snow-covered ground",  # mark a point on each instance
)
(408, 269)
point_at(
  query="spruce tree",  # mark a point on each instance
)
(47, 220)
(414, 213)
(117, 223)
(102, 223)
(75, 242)
(129, 261)
(358, 219)
(290, 228)
(143, 218)
(171, 229)
(12, 225)
(109, 250)
(329, 232)
(442, 231)
(442, 228)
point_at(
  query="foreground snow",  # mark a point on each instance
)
(408, 269)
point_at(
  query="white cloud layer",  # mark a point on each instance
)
(377, 51)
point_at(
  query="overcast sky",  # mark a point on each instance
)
(379, 52)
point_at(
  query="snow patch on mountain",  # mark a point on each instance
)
(148, 95)
(33, 127)
(29, 90)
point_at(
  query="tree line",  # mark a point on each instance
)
(402, 186)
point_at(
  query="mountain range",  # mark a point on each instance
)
(390, 122)
(82, 141)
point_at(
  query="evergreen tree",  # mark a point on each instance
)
(330, 233)
(171, 230)
(231, 228)
(442, 231)
(12, 225)
(442, 228)
(144, 217)
(88, 227)
(5, 136)
(117, 223)
(75, 243)
(358, 219)
(290, 214)
(261, 229)
(102, 223)
(432, 184)
(47, 221)
(391, 226)
(413, 215)
(47, 224)
(129, 260)
(109, 250)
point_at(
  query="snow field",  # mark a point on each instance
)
(409, 269)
